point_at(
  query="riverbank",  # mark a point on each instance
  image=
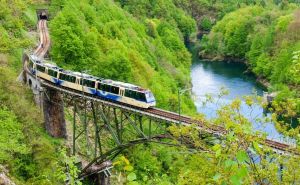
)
(196, 47)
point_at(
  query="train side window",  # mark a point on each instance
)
(52, 73)
(134, 94)
(72, 79)
(107, 88)
(62, 76)
(127, 93)
(84, 82)
(114, 89)
(141, 96)
(89, 83)
(102, 87)
(131, 94)
(92, 84)
(41, 68)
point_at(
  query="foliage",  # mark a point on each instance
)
(68, 171)
(206, 24)
(239, 156)
(27, 152)
(102, 39)
(12, 18)
(142, 42)
(11, 136)
(264, 36)
(26, 149)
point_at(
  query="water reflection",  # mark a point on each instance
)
(209, 77)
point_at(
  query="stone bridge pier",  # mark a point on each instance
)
(49, 100)
(54, 116)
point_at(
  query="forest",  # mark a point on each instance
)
(266, 37)
(145, 42)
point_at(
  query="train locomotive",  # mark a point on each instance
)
(104, 88)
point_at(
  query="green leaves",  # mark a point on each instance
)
(11, 136)
(237, 179)
(256, 146)
(268, 46)
(242, 156)
(131, 176)
(217, 148)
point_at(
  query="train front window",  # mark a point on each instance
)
(149, 97)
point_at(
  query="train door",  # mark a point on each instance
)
(122, 91)
(77, 81)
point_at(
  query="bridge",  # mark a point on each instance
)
(98, 124)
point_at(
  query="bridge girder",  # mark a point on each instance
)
(107, 130)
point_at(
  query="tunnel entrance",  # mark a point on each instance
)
(42, 14)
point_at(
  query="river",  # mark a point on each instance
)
(208, 77)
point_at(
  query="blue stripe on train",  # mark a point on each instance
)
(33, 71)
(108, 95)
(57, 81)
(93, 91)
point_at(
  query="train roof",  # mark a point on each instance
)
(35, 58)
(125, 85)
(50, 65)
(88, 76)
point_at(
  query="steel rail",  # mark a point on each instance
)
(44, 45)
(163, 115)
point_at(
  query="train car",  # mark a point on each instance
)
(108, 89)
(126, 93)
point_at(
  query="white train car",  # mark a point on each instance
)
(108, 89)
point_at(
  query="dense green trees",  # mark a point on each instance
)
(266, 38)
(240, 157)
(101, 38)
(12, 34)
(142, 41)
(27, 153)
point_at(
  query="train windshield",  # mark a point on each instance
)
(150, 97)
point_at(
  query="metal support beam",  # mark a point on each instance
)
(134, 125)
(108, 126)
(74, 128)
(97, 138)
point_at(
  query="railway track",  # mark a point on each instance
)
(215, 129)
(167, 116)
(156, 113)
(44, 45)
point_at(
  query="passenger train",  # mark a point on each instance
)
(104, 88)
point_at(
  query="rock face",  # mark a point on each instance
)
(4, 180)
(54, 113)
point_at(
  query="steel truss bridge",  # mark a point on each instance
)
(98, 123)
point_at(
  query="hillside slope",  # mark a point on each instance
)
(101, 38)
(267, 38)
(27, 155)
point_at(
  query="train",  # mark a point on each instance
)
(104, 88)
